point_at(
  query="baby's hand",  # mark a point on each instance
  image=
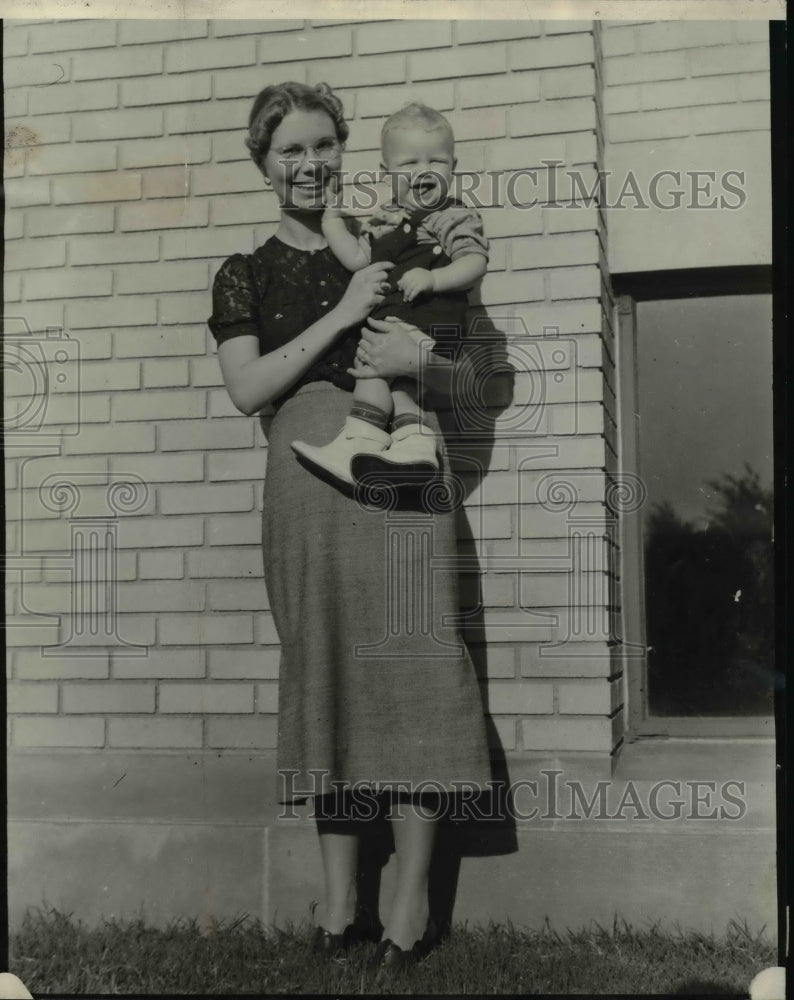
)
(415, 282)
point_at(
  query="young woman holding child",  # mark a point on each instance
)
(360, 703)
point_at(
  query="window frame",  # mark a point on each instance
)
(629, 290)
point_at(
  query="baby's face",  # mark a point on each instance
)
(421, 164)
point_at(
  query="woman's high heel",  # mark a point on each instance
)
(390, 959)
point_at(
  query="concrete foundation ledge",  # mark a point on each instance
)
(683, 832)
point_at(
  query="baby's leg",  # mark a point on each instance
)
(372, 401)
(405, 398)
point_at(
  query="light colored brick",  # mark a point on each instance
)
(226, 179)
(550, 117)
(266, 632)
(206, 118)
(212, 54)
(68, 221)
(497, 289)
(166, 90)
(473, 32)
(165, 182)
(478, 61)
(125, 123)
(359, 72)
(109, 376)
(170, 151)
(182, 309)
(620, 99)
(166, 214)
(63, 159)
(267, 698)
(136, 32)
(223, 466)
(190, 698)
(231, 562)
(107, 696)
(569, 734)
(155, 733)
(588, 697)
(748, 117)
(553, 251)
(752, 31)
(570, 218)
(31, 698)
(246, 82)
(161, 566)
(574, 659)
(315, 43)
(22, 192)
(12, 287)
(30, 665)
(14, 226)
(158, 343)
(558, 83)
(103, 440)
(35, 254)
(65, 36)
(397, 36)
(668, 124)
(572, 50)
(109, 313)
(69, 97)
(51, 284)
(689, 93)
(161, 596)
(665, 36)
(95, 188)
(15, 40)
(618, 39)
(498, 661)
(505, 698)
(15, 103)
(510, 154)
(223, 29)
(164, 532)
(233, 530)
(377, 102)
(160, 468)
(239, 209)
(181, 245)
(189, 435)
(158, 406)
(113, 249)
(41, 316)
(216, 630)
(147, 278)
(160, 374)
(258, 733)
(55, 732)
(754, 87)
(206, 499)
(234, 595)
(35, 71)
(107, 65)
(244, 664)
(158, 663)
(645, 67)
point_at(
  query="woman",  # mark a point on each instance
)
(360, 700)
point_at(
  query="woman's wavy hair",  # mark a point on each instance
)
(274, 103)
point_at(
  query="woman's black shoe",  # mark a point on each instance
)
(332, 945)
(390, 959)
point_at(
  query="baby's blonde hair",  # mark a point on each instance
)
(417, 115)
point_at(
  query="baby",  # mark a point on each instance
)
(439, 251)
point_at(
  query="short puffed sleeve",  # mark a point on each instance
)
(235, 301)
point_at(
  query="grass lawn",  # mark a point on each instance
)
(52, 953)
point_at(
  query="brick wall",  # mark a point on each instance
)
(128, 184)
(688, 95)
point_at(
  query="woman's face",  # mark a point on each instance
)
(304, 152)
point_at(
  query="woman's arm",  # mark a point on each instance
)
(402, 349)
(253, 380)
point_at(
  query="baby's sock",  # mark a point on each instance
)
(370, 413)
(404, 419)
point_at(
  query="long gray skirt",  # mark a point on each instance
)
(376, 685)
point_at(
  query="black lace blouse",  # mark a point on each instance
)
(274, 294)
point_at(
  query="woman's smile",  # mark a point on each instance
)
(304, 151)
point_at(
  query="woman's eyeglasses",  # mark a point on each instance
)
(324, 150)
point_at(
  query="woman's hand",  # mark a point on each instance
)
(367, 289)
(396, 350)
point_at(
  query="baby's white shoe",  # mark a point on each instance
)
(411, 459)
(333, 459)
